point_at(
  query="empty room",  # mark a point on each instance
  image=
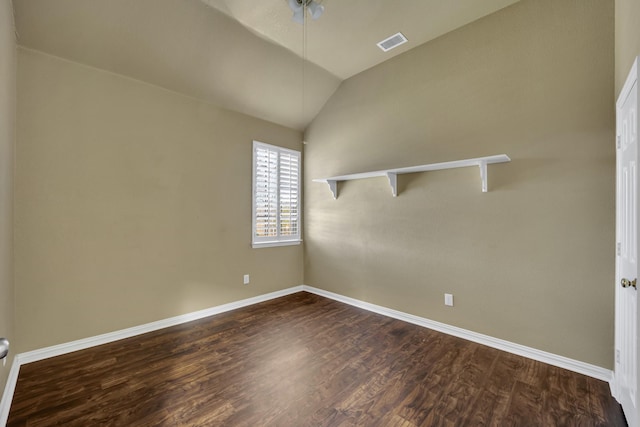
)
(319, 212)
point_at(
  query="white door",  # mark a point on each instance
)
(626, 367)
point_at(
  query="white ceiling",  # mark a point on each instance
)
(244, 55)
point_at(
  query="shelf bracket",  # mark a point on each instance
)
(393, 182)
(483, 175)
(333, 186)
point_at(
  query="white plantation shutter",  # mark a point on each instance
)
(289, 179)
(276, 195)
(266, 191)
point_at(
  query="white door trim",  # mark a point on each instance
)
(617, 387)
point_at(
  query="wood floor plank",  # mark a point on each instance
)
(525, 406)
(303, 360)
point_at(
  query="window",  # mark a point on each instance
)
(276, 196)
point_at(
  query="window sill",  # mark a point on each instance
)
(275, 243)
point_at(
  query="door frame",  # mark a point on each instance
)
(632, 79)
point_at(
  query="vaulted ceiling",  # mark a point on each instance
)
(244, 55)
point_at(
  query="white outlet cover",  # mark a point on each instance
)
(448, 300)
(246, 279)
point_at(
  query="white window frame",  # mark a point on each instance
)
(279, 240)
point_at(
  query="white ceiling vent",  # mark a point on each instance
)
(393, 41)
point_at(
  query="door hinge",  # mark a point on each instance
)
(618, 141)
(617, 356)
(618, 246)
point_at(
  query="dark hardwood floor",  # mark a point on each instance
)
(304, 360)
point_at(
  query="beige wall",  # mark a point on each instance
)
(7, 132)
(133, 204)
(126, 211)
(627, 38)
(532, 260)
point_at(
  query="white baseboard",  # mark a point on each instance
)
(9, 388)
(521, 350)
(510, 347)
(58, 350)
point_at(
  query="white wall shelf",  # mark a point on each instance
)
(392, 174)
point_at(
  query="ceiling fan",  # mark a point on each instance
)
(298, 7)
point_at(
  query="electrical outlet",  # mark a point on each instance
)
(448, 300)
(246, 279)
